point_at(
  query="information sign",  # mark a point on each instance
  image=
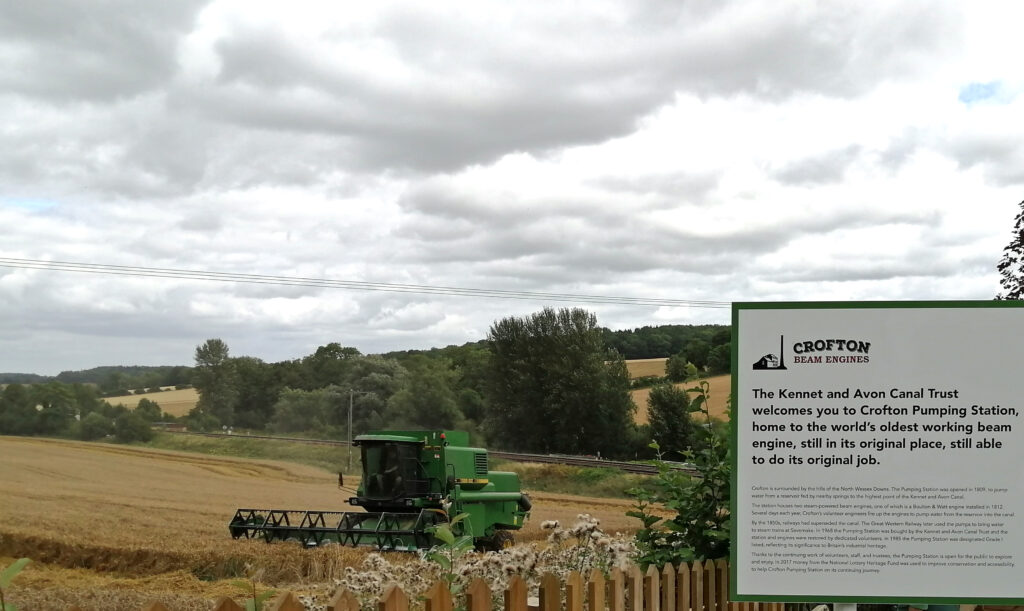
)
(878, 452)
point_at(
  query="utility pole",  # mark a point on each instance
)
(351, 395)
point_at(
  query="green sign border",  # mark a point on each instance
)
(733, 441)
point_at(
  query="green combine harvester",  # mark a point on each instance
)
(412, 481)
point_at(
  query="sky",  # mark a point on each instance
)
(697, 153)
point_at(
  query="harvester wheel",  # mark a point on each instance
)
(501, 539)
(504, 539)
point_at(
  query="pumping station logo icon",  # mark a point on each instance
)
(773, 361)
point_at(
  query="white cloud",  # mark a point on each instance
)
(701, 150)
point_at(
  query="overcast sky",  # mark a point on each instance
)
(694, 151)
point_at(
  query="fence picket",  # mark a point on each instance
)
(550, 593)
(635, 589)
(439, 598)
(722, 573)
(393, 599)
(343, 600)
(697, 587)
(683, 587)
(710, 586)
(287, 602)
(516, 594)
(652, 589)
(616, 591)
(574, 592)
(478, 596)
(668, 588)
(595, 591)
(226, 604)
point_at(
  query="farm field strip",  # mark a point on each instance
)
(138, 511)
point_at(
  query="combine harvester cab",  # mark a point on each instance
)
(411, 482)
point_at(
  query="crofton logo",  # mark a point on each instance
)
(828, 351)
(773, 361)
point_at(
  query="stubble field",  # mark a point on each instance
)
(99, 518)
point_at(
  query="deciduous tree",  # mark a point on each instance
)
(1011, 266)
(668, 411)
(555, 387)
(215, 378)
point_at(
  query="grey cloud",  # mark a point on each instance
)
(69, 51)
(668, 190)
(820, 169)
(477, 94)
(1001, 156)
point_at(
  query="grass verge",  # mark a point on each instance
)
(326, 457)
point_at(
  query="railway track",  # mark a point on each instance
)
(575, 461)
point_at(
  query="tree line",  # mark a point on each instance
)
(550, 382)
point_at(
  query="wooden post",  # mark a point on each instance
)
(697, 587)
(574, 592)
(635, 589)
(439, 598)
(711, 587)
(722, 570)
(478, 596)
(550, 593)
(286, 602)
(343, 600)
(668, 588)
(616, 591)
(516, 594)
(595, 591)
(683, 587)
(652, 589)
(393, 599)
(226, 604)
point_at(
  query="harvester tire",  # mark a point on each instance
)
(501, 539)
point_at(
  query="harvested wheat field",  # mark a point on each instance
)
(718, 397)
(639, 368)
(175, 402)
(122, 519)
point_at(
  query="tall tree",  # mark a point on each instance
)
(555, 387)
(427, 399)
(215, 378)
(1011, 266)
(668, 411)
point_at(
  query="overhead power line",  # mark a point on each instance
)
(425, 289)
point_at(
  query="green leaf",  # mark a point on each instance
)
(444, 533)
(440, 559)
(462, 516)
(9, 573)
(8, 607)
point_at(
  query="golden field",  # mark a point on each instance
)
(718, 397)
(639, 368)
(105, 518)
(718, 393)
(174, 402)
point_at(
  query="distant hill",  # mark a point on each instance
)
(111, 376)
(23, 378)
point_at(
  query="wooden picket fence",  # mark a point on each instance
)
(696, 587)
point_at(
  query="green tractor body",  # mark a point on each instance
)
(411, 482)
